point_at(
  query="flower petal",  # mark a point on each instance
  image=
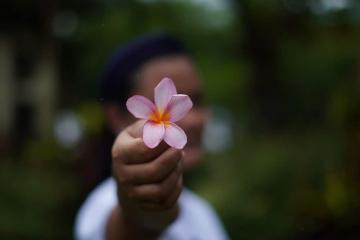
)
(163, 93)
(153, 133)
(140, 106)
(175, 136)
(179, 106)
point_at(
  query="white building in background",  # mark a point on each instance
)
(29, 75)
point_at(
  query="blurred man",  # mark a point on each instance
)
(145, 198)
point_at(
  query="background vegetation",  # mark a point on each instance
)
(282, 78)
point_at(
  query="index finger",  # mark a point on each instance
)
(138, 152)
(130, 150)
(135, 130)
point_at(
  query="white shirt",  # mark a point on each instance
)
(196, 221)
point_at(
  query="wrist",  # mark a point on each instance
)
(148, 220)
(120, 227)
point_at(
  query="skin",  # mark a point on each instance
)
(150, 180)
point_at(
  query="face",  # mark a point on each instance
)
(182, 71)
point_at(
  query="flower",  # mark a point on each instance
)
(169, 108)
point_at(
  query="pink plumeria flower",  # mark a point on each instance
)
(169, 108)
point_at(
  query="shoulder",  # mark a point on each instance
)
(197, 219)
(90, 222)
(196, 206)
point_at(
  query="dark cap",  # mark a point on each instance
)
(114, 84)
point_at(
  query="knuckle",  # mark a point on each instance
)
(169, 204)
(178, 154)
(123, 180)
(179, 184)
(115, 151)
(132, 194)
(166, 163)
(150, 207)
(179, 170)
(122, 177)
(146, 207)
(143, 152)
(174, 155)
(152, 170)
(117, 147)
(158, 193)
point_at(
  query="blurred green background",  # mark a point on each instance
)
(281, 76)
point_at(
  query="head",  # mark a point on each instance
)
(148, 61)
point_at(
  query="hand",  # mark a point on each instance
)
(149, 180)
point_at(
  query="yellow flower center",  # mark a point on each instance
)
(160, 116)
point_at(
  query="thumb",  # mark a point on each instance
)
(135, 130)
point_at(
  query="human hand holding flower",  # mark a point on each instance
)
(149, 174)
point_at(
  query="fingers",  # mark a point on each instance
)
(135, 130)
(133, 150)
(159, 196)
(137, 152)
(168, 203)
(156, 192)
(150, 172)
(146, 178)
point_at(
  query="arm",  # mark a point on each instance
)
(149, 183)
(119, 227)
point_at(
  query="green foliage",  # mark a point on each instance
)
(274, 182)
